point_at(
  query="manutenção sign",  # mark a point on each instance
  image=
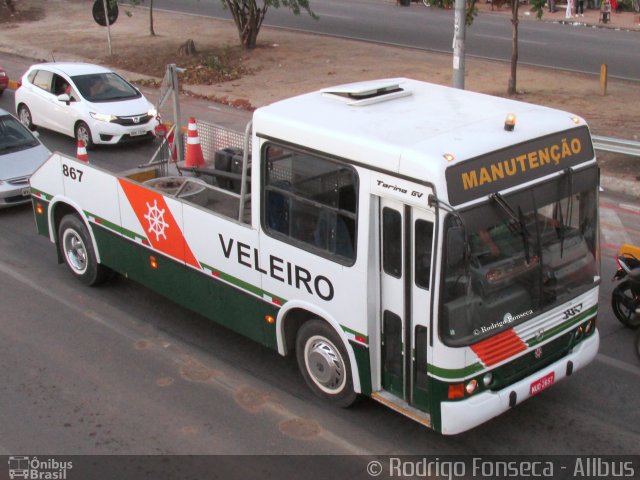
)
(518, 164)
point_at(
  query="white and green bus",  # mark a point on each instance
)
(432, 248)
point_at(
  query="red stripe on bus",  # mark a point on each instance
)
(499, 347)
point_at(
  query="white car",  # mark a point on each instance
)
(21, 153)
(85, 101)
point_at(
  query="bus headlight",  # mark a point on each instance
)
(487, 379)
(472, 386)
(589, 327)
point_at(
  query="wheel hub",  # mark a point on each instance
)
(325, 365)
(76, 252)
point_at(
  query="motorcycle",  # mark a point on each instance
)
(625, 298)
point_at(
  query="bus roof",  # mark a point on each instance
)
(406, 126)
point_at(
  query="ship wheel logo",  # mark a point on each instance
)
(155, 217)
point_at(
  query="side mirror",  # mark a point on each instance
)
(456, 246)
(64, 97)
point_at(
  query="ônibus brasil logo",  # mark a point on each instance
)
(36, 469)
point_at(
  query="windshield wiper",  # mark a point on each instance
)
(516, 223)
(569, 172)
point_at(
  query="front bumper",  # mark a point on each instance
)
(106, 133)
(11, 194)
(460, 416)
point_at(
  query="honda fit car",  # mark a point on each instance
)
(85, 101)
(21, 153)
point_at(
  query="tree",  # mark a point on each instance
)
(152, 31)
(248, 16)
(10, 6)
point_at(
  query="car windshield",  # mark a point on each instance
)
(527, 253)
(14, 136)
(104, 87)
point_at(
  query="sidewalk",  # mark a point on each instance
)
(591, 18)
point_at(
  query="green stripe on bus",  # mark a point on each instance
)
(41, 194)
(236, 282)
(454, 373)
(110, 225)
(357, 334)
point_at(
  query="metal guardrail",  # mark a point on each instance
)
(616, 145)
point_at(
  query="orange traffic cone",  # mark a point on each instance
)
(194, 157)
(81, 153)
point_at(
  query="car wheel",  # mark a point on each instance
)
(324, 363)
(83, 132)
(75, 244)
(24, 115)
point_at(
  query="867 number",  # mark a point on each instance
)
(72, 172)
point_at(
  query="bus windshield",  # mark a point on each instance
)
(526, 253)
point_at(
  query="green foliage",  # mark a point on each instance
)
(470, 8)
(538, 6)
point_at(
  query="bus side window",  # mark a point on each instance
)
(392, 242)
(423, 238)
(311, 202)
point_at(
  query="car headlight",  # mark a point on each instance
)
(103, 117)
(152, 112)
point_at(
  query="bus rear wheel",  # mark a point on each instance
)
(77, 250)
(324, 363)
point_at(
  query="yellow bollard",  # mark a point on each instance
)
(603, 79)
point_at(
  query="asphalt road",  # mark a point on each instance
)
(120, 370)
(553, 45)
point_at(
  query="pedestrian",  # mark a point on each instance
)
(569, 9)
(552, 6)
(580, 8)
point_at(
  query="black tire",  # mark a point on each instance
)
(324, 363)
(624, 305)
(24, 115)
(75, 244)
(83, 132)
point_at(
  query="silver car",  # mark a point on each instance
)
(21, 153)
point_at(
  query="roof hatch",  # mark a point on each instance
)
(367, 93)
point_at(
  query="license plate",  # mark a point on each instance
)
(542, 383)
(26, 192)
(137, 133)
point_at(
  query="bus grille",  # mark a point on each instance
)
(527, 364)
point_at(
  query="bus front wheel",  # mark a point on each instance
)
(324, 363)
(77, 250)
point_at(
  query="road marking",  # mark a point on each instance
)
(619, 364)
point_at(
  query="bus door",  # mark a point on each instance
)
(406, 246)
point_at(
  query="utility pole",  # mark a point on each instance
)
(458, 44)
